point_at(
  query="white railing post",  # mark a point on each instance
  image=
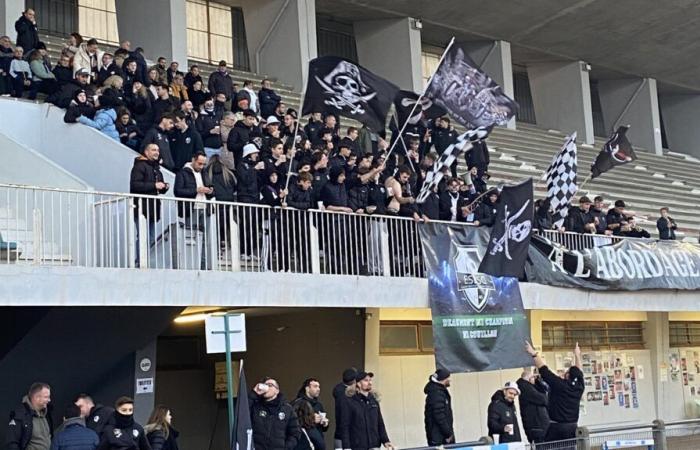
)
(143, 241)
(38, 235)
(130, 235)
(212, 240)
(314, 244)
(235, 243)
(385, 256)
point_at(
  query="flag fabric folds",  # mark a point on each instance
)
(469, 94)
(339, 86)
(242, 438)
(405, 102)
(510, 235)
(561, 180)
(616, 152)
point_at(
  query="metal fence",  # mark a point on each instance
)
(577, 241)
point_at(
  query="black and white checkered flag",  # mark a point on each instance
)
(451, 153)
(561, 180)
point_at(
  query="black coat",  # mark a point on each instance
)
(315, 433)
(144, 176)
(220, 83)
(533, 409)
(564, 395)
(340, 405)
(159, 137)
(268, 100)
(27, 34)
(358, 197)
(223, 191)
(65, 93)
(577, 219)
(107, 72)
(248, 191)
(666, 231)
(275, 425)
(64, 75)
(76, 110)
(430, 206)
(362, 425)
(99, 417)
(183, 145)
(239, 136)
(443, 138)
(446, 199)
(299, 198)
(186, 187)
(500, 414)
(486, 213)
(334, 194)
(161, 106)
(204, 123)
(141, 108)
(20, 427)
(438, 414)
(158, 441)
(126, 438)
(478, 156)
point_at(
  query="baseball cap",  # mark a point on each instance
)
(272, 120)
(512, 385)
(82, 72)
(361, 375)
(349, 375)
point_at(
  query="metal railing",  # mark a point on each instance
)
(578, 241)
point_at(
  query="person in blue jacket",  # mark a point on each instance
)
(106, 116)
(74, 435)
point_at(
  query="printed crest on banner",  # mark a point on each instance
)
(345, 84)
(476, 288)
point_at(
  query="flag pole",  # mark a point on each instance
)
(420, 97)
(393, 117)
(294, 141)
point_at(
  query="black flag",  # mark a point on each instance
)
(469, 94)
(339, 86)
(242, 438)
(510, 236)
(406, 100)
(616, 152)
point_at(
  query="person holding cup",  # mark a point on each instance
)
(309, 392)
(502, 417)
(275, 424)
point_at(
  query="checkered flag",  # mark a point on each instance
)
(451, 153)
(561, 180)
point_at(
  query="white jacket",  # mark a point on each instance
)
(81, 60)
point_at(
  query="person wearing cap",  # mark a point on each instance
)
(502, 416)
(565, 394)
(439, 429)
(533, 405)
(362, 426)
(242, 133)
(348, 379)
(340, 160)
(580, 219)
(220, 81)
(270, 133)
(268, 98)
(616, 217)
(289, 129)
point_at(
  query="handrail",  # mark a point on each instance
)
(484, 440)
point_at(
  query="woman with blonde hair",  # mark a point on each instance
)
(159, 430)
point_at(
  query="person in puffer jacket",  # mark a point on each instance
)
(73, 434)
(275, 424)
(159, 430)
(439, 428)
(106, 116)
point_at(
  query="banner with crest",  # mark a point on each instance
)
(479, 322)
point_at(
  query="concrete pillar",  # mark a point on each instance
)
(281, 37)
(494, 59)
(10, 10)
(144, 382)
(561, 95)
(402, 63)
(633, 102)
(656, 335)
(159, 26)
(681, 122)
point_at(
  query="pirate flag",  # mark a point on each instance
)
(405, 102)
(615, 152)
(339, 86)
(510, 236)
(469, 94)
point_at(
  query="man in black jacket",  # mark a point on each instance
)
(439, 428)
(185, 141)
(160, 135)
(502, 417)
(487, 211)
(444, 136)
(580, 219)
(27, 31)
(95, 416)
(341, 404)
(362, 426)
(268, 99)
(242, 133)
(666, 226)
(122, 431)
(564, 395)
(616, 217)
(30, 425)
(309, 392)
(275, 424)
(220, 82)
(533, 406)
(450, 201)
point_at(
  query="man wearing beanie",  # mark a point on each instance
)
(340, 402)
(438, 409)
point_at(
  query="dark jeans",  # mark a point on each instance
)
(561, 432)
(47, 87)
(151, 239)
(196, 221)
(18, 87)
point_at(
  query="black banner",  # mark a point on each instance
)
(339, 86)
(629, 265)
(404, 103)
(616, 152)
(478, 320)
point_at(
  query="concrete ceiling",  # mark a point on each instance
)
(618, 38)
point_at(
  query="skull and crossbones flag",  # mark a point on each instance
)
(339, 86)
(616, 152)
(469, 94)
(406, 100)
(510, 236)
(561, 180)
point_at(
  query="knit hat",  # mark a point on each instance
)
(441, 374)
(249, 149)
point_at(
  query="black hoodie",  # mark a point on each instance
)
(123, 434)
(564, 395)
(275, 425)
(501, 413)
(438, 414)
(533, 409)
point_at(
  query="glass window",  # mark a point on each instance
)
(429, 65)
(98, 19)
(209, 32)
(592, 335)
(406, 337)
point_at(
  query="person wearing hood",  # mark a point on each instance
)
(486, 212)
(348, 380)
(66, 92)
(241, 102)
(334, 195)
(159, 429)
(123, 433)
(362, 426)
(242, 134)
(502, 416)
(248, 87)
(439, 428)
(79, 107)
(185, 141)
(73, 434)
(309, 393)
(275, 424)
(27, 31)
(30, 425)
(533, 406)
(95, 416)
(106, 116)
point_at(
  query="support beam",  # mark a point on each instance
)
(281, 36)
(144, 376)
(633, 102)
(402, 64)
(680, 113)
(159, 26)
(494, 58)
(10, 10)
(656, 336)
(561, 95)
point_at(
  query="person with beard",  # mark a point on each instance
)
(362, 426)
(268, 98)
(173, 72)
(309, 392)
(439, 428)
(533, 406)
(160, 69)
(485, 215)
(139, 101)
(185, 141)
(580, 218)
(27, 31)
(450, 201)
(347, 380)
(502, 416)
(403, 201)
(290, 127)
(241, 102)
(159, 430)
(312, 128)
(108, 69)
(208, 125)
(73, 434)
(242, 134)
(187, 108)
(78, 107)
(95, 416)
(123, 433)
(106, 115)
(275, 424)
(160, 135)
(164, 103)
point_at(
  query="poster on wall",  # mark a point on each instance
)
(479, 322)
